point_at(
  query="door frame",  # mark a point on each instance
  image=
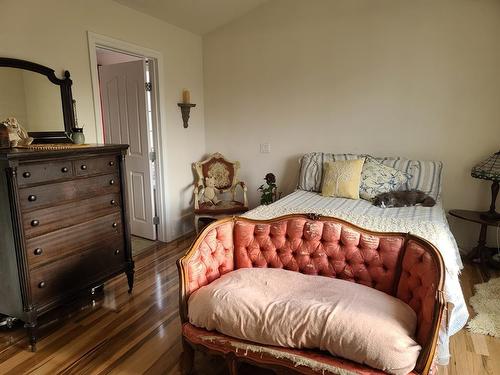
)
(156, 68)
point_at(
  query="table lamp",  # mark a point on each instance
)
(489, 169)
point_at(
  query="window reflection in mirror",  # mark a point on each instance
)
(32, 99)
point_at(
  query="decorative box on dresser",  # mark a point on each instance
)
(64, 227)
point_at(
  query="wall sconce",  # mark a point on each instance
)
(186, 107)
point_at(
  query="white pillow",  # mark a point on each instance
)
(285, 308)
(377, 178)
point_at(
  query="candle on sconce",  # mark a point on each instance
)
(186, 96)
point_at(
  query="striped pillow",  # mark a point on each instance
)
(311, 168)
(426, 174)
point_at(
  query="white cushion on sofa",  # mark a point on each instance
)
(290, 309)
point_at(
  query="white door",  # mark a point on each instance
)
(125, 118)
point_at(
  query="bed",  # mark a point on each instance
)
(427, 222)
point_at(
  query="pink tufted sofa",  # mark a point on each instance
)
(399, 264)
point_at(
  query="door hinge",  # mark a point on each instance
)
(149, 86)
(152, 156)
(156, 220)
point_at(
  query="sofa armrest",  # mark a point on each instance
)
(420, 285)
(210, 256)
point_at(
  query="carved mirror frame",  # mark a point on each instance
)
(66, 99)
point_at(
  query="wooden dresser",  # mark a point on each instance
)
(64, 228)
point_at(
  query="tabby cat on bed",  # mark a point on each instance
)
(403, 199)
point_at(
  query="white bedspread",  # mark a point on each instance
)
(427, 222)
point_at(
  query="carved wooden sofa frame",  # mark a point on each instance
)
(414, 273)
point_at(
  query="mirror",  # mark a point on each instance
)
(41, 102)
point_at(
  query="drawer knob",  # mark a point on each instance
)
(111, 163)
(113, 202)
(41, 284)
(112, 182)
(38, 251)
(26, 175)
(114, 225)
(34, 223)
(83, 167)
(117, 251)
(32, 198)
(64, 169)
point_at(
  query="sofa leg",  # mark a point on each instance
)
(187, 359)
(232, 364)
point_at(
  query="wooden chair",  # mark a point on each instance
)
(225, 175)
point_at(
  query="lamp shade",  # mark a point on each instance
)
(488, 169)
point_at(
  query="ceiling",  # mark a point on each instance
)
(198, 16)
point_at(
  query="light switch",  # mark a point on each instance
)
(265, 148)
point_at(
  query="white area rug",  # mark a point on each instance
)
(486, 303)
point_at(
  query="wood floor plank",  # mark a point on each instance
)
(139, 333)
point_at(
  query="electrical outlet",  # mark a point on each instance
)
(265, 148)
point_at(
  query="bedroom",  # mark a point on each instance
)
(419, 80)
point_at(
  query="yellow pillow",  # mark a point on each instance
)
(342, 178)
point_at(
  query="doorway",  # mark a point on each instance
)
(118, 51)
(127, 100)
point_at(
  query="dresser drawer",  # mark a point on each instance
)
(46, 195)
(96, 165)
(33, 173)
(45, 220)
(85, 236)
(62, 277)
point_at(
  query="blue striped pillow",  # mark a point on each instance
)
(426, 174)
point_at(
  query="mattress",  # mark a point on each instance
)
(427, 222)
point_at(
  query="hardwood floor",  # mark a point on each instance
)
(118, 333)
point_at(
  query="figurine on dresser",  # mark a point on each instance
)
(18, 136)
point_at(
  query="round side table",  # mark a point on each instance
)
(481, 253)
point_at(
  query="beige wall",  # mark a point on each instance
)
(54, 33)
(419, 79)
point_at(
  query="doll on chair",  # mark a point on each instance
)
(209, 193)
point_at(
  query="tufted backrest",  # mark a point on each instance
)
(398, 264)
(213, 256)
(320, 247)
